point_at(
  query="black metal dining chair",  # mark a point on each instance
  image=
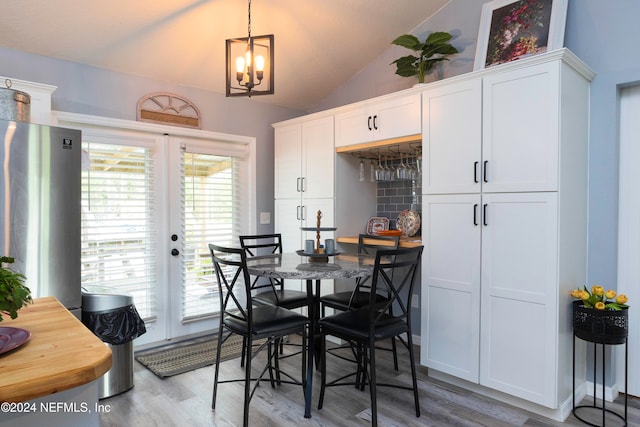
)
(394, 272)
(360, 296)
(239, 315)
(268, 290)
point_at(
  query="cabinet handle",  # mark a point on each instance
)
(484, 172)
(298, 212)
(298, 184)
(484, 214)
(303, 210)
(475, 172)
(302, 186)
(475, 214)
(375, 122)
(369, 123)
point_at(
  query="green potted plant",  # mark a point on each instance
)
(13, 293)
(433, 50)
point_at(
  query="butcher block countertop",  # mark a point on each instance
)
(61, 354)
(405, 242)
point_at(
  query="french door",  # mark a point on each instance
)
(151, 204)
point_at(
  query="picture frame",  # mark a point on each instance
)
(514, 29)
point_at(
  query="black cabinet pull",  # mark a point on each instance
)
(484, 173)
(475, 172)
(375, 122)
(484, 214)
(175, 252)
(475, 214)
(369, 123)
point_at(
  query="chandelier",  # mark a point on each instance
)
(250, 64)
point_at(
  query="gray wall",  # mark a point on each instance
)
(603, 34)
(89, 90)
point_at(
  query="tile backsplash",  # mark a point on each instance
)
(395, 196)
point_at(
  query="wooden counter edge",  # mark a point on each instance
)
(409, 242)
(27, 372)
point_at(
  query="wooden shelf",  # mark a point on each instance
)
(406, 145)
(405, 242)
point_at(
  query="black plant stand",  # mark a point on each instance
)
(604, 328)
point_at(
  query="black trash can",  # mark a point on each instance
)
(114, 319)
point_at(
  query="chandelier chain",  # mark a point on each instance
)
(249, 25)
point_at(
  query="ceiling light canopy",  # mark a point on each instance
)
(250, 64)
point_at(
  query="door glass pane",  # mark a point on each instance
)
(118, 224)
(211, 209)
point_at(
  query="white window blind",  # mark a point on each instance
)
(118, 225)
(211, 202)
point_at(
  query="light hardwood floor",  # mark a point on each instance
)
(185, 400)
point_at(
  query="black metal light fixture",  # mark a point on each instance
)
(250, 64)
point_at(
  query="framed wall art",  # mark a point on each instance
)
(515, 29)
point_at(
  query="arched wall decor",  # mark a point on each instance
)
(168, 108)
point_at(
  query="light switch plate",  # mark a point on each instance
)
(265, 218)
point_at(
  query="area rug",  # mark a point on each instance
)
(175, 359)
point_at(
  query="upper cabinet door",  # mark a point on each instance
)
(318, 158)
(397, 117)
(451, 138)
(353, 127)
(391, 118)
(287, 154)
(521, 129)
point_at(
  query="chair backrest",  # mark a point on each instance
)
(263, 244)
(368, 242)
(394, 274)
(266, 243)
(230, 265)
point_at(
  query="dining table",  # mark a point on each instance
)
(311, 268)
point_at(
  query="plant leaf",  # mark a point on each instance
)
(439, 37)
(409, 41)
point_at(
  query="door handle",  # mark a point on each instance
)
(484, 172)
(175, 252)
(484, 215)
(475, 214)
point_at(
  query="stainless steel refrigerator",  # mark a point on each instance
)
(40, 190)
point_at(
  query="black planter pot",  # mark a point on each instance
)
(600, 326)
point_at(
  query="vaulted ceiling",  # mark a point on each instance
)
(319, 44)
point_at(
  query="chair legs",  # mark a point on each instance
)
(366, 374)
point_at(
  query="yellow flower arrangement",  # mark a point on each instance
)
(600, 299)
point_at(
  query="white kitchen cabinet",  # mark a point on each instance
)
(451, 291)
(379, 120)
(502, 253)
(519, 295)
(304, 179)
(304, 159)
(520, 129)
(452, 138)
(493, 133)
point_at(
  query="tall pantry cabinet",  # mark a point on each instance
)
(304, 179)
(504, 224)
